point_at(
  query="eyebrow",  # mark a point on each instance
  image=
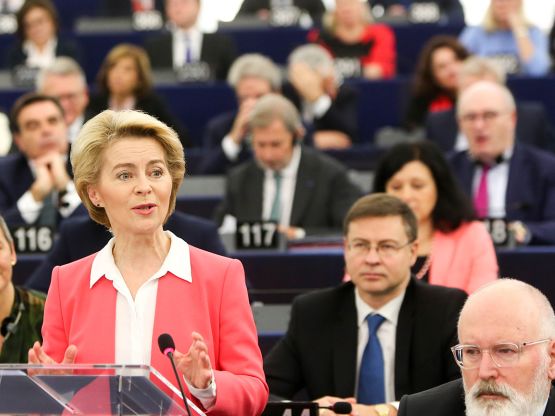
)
(132, 165)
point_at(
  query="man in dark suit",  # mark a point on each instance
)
(80, 236)
(324, 349)
(301, 189)
(185, 44)
(515, 324)
(506, 179)
(35, 183)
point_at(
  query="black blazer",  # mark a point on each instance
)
(80, 236)
(323, 193)
(530, 195)
(217, 50)
(447, 399)
(319, 350)
(532, 127)
(314, 7)
(65, 47)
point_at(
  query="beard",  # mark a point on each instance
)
(511, 402)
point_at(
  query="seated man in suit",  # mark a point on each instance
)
(301, 189)
(378, 337)
(329, 108)
(186, 44)
(251, 76)
(506, 354)
(80, 236)
(505, 177)
(65, 80)
(35, 183)
(532, 127)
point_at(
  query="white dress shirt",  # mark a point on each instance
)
(135, 317)
(182, 39)
(386, 335)
(40, 59)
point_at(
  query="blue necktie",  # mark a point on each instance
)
(371, 386)
(188, 57)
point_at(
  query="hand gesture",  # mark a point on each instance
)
(240, 125)
(38, 356)
(327, 401)
(195, 363)
(308, 82)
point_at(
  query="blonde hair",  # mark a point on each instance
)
(480, 66)
(329, 21)
(100, 132)
(489, 23)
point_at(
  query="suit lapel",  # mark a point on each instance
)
(516, 183)
(403, 342)
(304, 187)
(550, 408)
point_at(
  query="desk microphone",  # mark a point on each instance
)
(167, 347)
(341, 408)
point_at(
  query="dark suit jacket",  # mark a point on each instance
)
(15, 179)
(532, 127)
(314, 7)
(447, 399)
(65, 47)
(217, 50)
(151, 103)
(530, 196)
(319, 350)
(80, 236)
(323, 193)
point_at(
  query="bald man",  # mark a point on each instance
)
(506, 178)
(506, 354)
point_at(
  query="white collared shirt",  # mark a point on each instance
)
(40, 59)
(194, 42)
(135, 317)
(497, 178)
(288, 182)
(75, 127)
(386, 334)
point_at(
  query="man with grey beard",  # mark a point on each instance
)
(506, 355)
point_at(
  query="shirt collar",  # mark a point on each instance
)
(390, 311)
(292, 167)
(30, 48)
(176, 262)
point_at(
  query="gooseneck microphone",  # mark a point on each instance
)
(341, 408)
(167, 347)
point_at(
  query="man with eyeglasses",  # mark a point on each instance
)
(381, 335)
(506, 355)
(507, 179)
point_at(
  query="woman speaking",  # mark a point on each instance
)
(111, 307)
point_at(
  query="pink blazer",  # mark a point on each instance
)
(464, 258)
(215, 304)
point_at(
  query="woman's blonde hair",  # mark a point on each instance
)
(329, 22)
(100, 132)
(491, 25)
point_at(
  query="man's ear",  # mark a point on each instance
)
(551, 352)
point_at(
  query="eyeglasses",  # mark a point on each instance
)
(506, 354)
(486, 116)
(384, 249)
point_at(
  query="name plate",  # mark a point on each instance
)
(147, 20)
(508, 62)
(24, 77)
(8, 23)
(424, 13)
(257, 235)
(498, 229)
(291, 409)
(194, 72)
(348, 67)
(285, 16)
(32, 239)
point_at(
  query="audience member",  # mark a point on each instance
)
(5, 135)
(184, 43)
(506, 355)
(532, 125)
(65, 80)
(35, 184)
(328, 107)
(382, 335)
(304, 191)
(21, 310)
(506, 179)
(453, 250)
(361, 48)
(80, 236)
(263, 8)
(434, 87)
(443, 11)
(506, 36)
(125, 83)
(38, 42)
(147, 281)
(226, 135)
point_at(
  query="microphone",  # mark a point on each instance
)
(167, 347)
(341, 408)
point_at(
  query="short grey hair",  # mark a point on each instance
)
(506, 94)
(254, 65)
(315, 56)
(480, 66)
(272, 107)
(62, 66)
(5, 230)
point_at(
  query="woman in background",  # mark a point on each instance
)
(453, 249)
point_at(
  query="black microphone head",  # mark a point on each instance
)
(166, 344)
(342, 408)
